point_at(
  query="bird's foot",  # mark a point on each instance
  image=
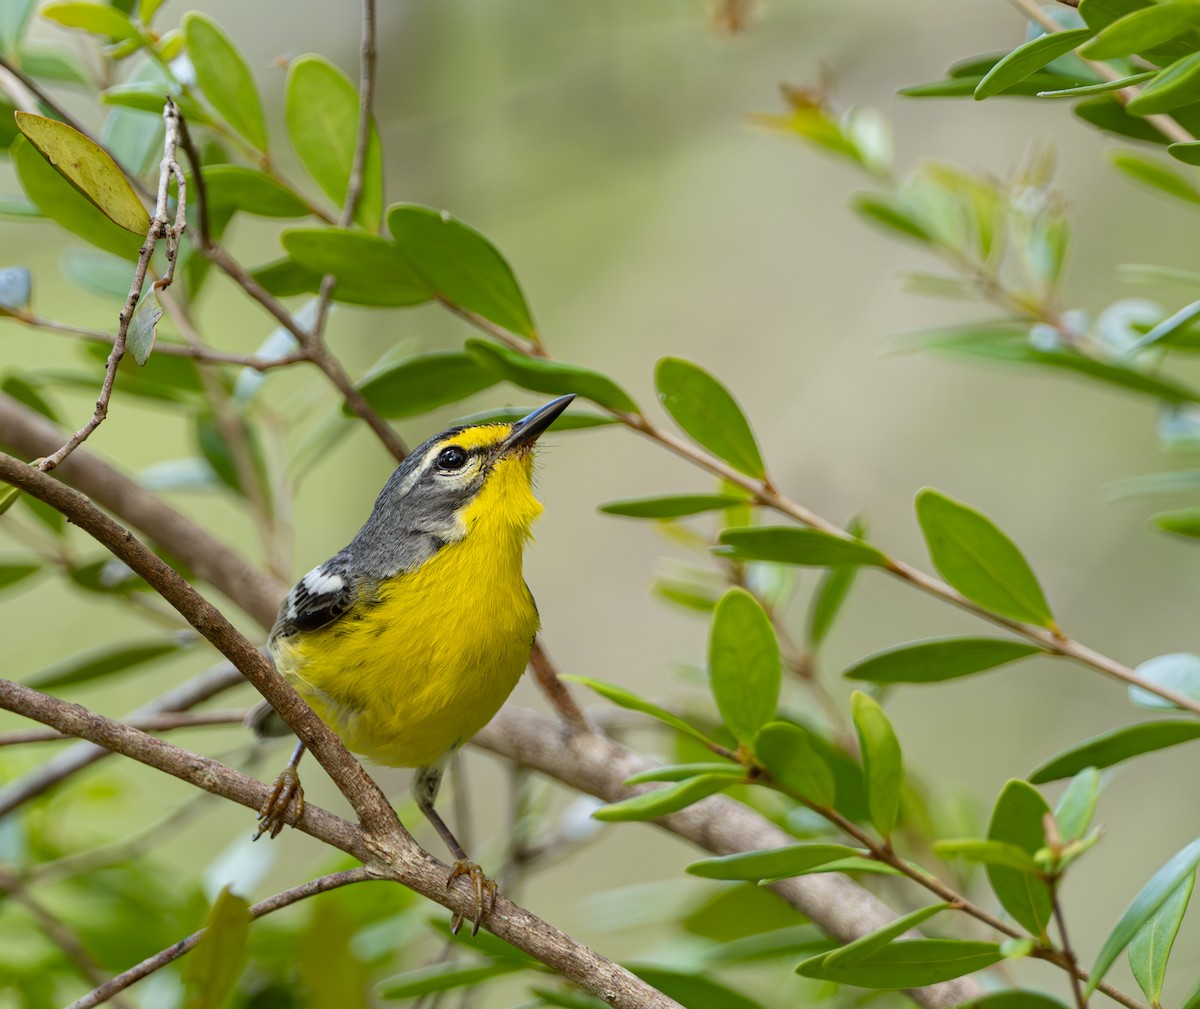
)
(485, 894)
(284, 805)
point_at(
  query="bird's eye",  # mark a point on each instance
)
(451, 458)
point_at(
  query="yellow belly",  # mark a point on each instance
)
(420, 671)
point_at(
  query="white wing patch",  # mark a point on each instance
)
(319, 581)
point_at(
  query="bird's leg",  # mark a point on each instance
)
(285, 804)
(425, 786)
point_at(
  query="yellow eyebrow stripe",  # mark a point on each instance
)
(483, 436)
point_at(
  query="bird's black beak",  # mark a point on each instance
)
(527, 430)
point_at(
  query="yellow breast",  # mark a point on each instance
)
(425, 665)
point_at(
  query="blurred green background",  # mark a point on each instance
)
(605, 147)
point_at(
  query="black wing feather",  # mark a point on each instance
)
(318, 599)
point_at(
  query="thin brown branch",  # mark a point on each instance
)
(166, 722)
(555, 690)
(160, 228)
(393, 855)
(110, 988)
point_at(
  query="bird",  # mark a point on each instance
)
(407, 641)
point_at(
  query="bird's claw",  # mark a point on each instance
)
(485, 894)
(285, 804)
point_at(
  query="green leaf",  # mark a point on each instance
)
(772, 863)
(143, 328)
(12, 574)
(681, 772)
(1178, 84)
(938, 659)
(103, 661)
(418, 384)
(368, 268)
(1018, 819)
(573, 420)
(883, 763)
(1155, 175)
(708, 414)
(14, 19)
(213, 967)
(1188, 153)
(541, 375)
(744, 667)
(225, 78)
(1142, 29)
(54, 61)
(1014, 999)
(321, 109)
(1077, 805)
(1029, 58)
(1181, 522)
(979, 561)
(251, 191)
(1179, 672)
(1150, 947)
(831, 593)
(460, 266)
(444, 977)
(1099, 89)
(670, 506)
(662, 801)
(1107, 113)
(889, 212)
(629, 700)
(89, 168)
(913, 963)
(8, 497)
(285, 277)
(692, 989)
(787, 752)
(1116, 746)
(99, 19)
(873, 942)
(1153, 895)
(64, 204)
(805, 547)
(1001, 853)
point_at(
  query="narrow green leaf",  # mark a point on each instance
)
(708, 414)
(368, 268)
(444, 977)
(981, 562)
(285, 277)
(1150, 947)
(213, 967)
(744, 667)
(1142, 29)
(89, 168)
(874, 942)
(670, 506)
(321, 109)
(1077, 805)
(1188, 153)
(13, 574)
(1116, 746)
(63, 203)
(418, 384)
(1099, 89)
(1001, 853)
(1178, 84)
(97, 18)
(1179, 672)
(890, 213)
(143, 328)
(938, 659)
(1014, 999)
(1107, 113)
(629, 700)
(103, 661)
(786, 751)
(1018, 819)
(1153, 895)
(8, 497)
(831, 593)
(681, 772)
(883, 763)
(913, 963)
(54, 61)
(1155, 175)
(224, 77)
(251, 191)
(661, 801)
(460, 266)
(805, 547)
(541, 375)
(1181, 522)
(1029, 58)
(773, 863)
(850, 865)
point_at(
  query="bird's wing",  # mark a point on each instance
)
(319, 598)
